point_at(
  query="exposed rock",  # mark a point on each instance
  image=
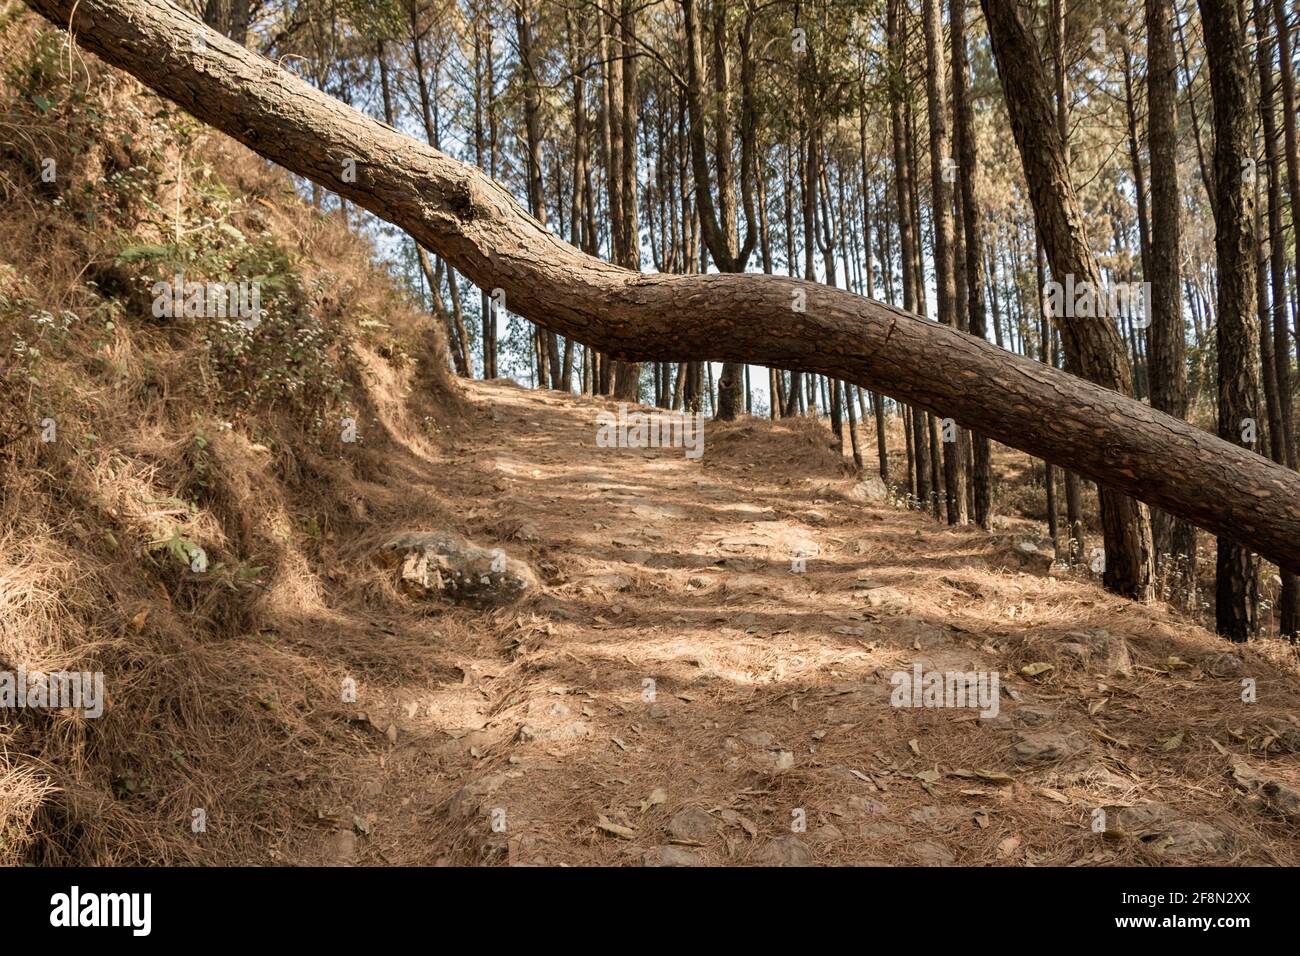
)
(883, 830)
(342, 848)
(692, 825)
(1285, 734)
(925, 814)
(527, 531)
(1281, 799)
(760, 739)
(525, 850)
(1165, 831)
(1038, 748)
(870, 489)
(866, 804)
(1222, 665)
(827, 833)
(882, 597)
(440, 564)
(931, 854)
(569, 730)
(1267, 793)
(671, 856)
(608, 582)
(775, 759)
(1078, 653)
(468, 800)
(1100, 651)
(785, 851)
(1030, 717)
(1025, 554)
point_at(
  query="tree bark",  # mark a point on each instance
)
(1093, 348)
(548, 343)
(1167, 361)
(718, 222)
(918, 462)
(1288, 609)
(1237, 331)
(964, 127)
(954, 472)
(627, 375)
(1286, 74)
(480, 229)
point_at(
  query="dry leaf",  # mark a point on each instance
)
(740, 820)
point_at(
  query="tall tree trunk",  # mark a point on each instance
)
(1045, 348)
(954, 471)
(1167, 361)
(1286, 74)
(485, 158)
(1093, 349)
(1237, 335)
(231, 17)
(623, 166)
(919, 463)
(1289, 603)
(1275, 352)
(964, 128)
(547, 341)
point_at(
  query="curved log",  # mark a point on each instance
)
(480, 229)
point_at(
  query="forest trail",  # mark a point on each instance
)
(768, 734)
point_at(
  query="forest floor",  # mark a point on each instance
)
(674, 693)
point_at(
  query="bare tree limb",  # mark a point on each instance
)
(481, 230)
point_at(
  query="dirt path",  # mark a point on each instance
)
(679, 693)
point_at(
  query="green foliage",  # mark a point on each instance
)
(179, 547)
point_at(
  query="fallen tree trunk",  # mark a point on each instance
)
(476, 225)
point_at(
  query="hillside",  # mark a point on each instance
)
(129, 442)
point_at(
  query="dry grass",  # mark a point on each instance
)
(222, 687)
